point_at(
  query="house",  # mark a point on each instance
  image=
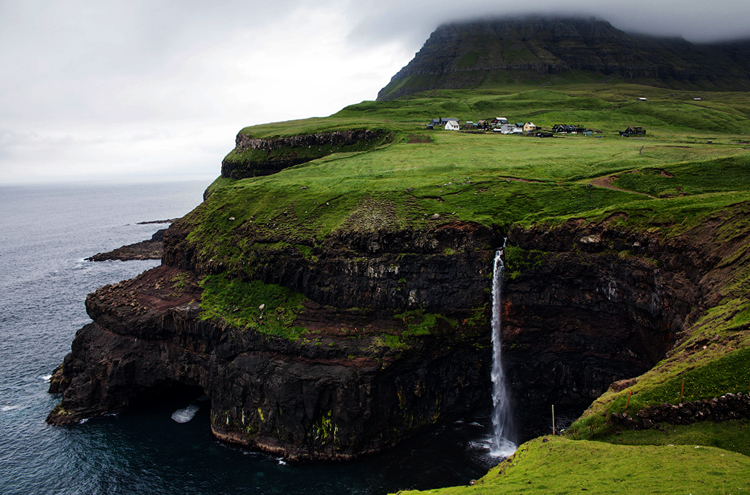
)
(588, 133)
(567, 129)
(498, 121)
(435, 123)
(529, 127)
(452, 125)
(632, 130)
(507, 128)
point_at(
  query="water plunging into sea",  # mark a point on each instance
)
(503, 444)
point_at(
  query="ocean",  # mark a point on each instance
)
(45, 234)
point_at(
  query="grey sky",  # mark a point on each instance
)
(154, 89)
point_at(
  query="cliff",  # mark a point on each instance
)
(355, 381)
(365, 374)
(485, 54)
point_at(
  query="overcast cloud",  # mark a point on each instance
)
(149, 89)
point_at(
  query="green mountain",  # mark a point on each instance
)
(544, 50)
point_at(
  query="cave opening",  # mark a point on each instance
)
(179, 400)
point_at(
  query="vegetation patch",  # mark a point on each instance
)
(252, 306)
(419, 323)
(733, 436)
(518, 260)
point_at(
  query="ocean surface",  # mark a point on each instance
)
(45, 234)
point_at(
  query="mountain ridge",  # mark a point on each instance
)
(549, 49)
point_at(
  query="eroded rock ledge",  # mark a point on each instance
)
(243, 142)
(585, 305)
(150, 249)
(254, 157)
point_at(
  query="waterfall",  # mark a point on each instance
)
(502, 420)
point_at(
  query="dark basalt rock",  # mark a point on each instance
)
(337, 398)
(578, 315)
(151, 249)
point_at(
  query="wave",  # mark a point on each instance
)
(9, 408)
(185, 415)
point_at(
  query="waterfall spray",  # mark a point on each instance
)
(502, 443)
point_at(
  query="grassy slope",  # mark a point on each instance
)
(481, 178)
(557, 465)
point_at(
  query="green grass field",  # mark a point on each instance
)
(555, 465)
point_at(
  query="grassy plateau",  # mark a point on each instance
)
(693, 165)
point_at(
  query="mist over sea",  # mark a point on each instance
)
(45, 234)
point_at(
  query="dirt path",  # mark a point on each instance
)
(607, 181)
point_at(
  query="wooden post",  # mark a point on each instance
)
(682, 390)
(629, 396)
(553, 420)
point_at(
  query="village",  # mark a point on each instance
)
(503, 126)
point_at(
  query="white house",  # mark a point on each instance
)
(452, 125)
(510, 129)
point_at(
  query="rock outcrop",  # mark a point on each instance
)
(151, 249)
(253, 157)
(718, 409)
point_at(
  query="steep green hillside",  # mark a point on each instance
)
(546, 50)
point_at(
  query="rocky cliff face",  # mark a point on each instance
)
(585, 305)
(478, 54)
(336, 399)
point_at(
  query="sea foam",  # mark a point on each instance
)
(185, 415)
